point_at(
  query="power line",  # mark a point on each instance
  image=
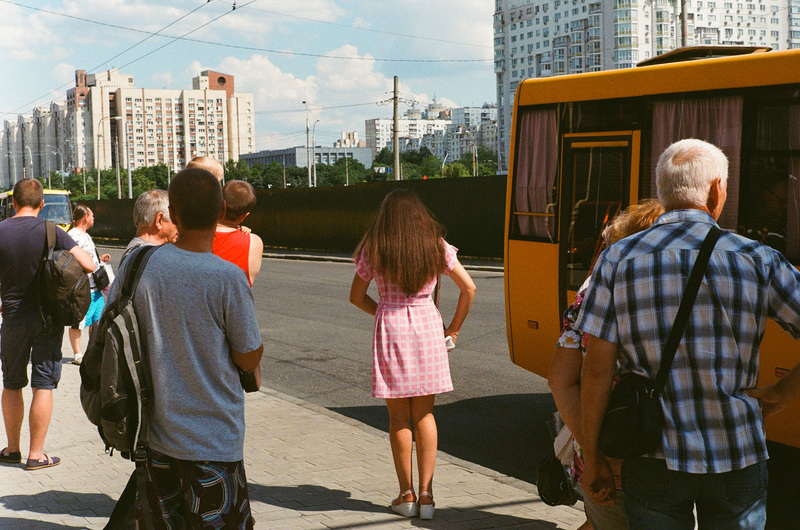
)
(68, 83)
(356, 28)
(248, 48)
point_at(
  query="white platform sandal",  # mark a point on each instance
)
(406, 504)
(426, 509)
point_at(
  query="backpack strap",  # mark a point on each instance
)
(49, 245)
(140, 257)
(50, 236)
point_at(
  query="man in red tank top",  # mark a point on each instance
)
(230, 243)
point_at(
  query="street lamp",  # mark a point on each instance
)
(308, 151)
(30, 155)
(61, 155)
(97, 158)
(314, 151)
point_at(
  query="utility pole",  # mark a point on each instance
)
(308, 149)
(396, 139)
(684, 23)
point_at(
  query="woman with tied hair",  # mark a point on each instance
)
(404, 252)
(83, 221)
(564, 376)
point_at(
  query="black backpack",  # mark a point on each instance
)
(64, 292)
(115, 385)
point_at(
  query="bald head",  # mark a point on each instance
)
(195, 197)
(211, 165)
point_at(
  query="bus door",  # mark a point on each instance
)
(599, 178)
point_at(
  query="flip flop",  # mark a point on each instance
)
(49, 461)
(10, 458)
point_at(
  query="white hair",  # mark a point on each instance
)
(685, 172)
(148, 206)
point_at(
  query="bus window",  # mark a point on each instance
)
(771, 213)
(535, 169)
(715, 120)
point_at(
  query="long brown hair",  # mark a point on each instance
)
(403, 243)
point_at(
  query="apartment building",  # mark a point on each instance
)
(557, 37)
(444, 132)
(106, 121)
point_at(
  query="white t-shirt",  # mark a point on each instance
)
(84, 240)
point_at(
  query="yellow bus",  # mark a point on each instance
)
(584, 146)
(57, 207)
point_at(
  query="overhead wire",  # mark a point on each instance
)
(68, 83)
(356, 28)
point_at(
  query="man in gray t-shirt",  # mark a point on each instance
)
(199, 317)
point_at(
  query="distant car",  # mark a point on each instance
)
(57, 207)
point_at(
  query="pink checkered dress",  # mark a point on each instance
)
(408, 353)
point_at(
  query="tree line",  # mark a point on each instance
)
(414, 165)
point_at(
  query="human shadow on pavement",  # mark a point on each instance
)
(506, 433)
(59, 501)
(54, 502)
(314, 498)
(310, 497)
(23, 524)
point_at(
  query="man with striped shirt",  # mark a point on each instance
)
(713, 456)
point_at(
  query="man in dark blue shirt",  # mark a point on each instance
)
(22, 242)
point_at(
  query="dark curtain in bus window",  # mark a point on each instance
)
(772, 213)
(714, 120)
(537, 157)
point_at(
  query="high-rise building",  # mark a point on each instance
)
(107, 121)
(556, 37)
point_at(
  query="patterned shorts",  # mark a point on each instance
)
(195, 494)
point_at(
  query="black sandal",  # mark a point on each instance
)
(10, 458)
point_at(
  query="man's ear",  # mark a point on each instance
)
(159, 220)
(716, 198)
(222, 212)
(242, 218)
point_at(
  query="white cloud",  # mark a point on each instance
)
(164, 79)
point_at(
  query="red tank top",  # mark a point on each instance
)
(234, 247)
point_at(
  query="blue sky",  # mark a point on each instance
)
(340, 56)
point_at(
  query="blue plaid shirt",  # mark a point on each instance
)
(632, 300)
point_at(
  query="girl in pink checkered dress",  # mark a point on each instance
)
(404, 252)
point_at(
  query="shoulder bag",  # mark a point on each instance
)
(103, 276)
(634, 420)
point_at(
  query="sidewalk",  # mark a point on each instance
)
(307, 468)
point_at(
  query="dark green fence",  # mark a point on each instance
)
(334, 219)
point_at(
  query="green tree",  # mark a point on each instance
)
(455, 170)
(385, 158)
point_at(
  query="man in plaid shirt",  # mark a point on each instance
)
(714, 452)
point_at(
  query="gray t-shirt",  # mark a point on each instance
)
(193, 308)
(135, 243)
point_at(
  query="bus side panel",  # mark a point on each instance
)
(532, 312)
(778, 355)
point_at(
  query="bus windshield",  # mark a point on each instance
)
(56, 208)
